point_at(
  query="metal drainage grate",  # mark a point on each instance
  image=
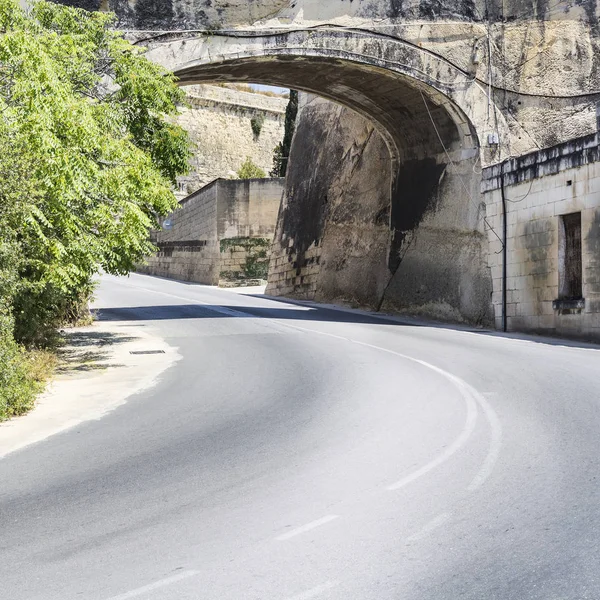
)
(146, 352)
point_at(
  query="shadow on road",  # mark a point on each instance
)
(300, 311)
(85, 350)
(196, 311)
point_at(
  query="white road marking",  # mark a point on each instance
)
(316, 591)
(469, 393)
(495, 444)
(456, 445)
(428, 528)
(156, 585)
(307, 527)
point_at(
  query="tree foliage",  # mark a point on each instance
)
(88, 156)
(249, 170)
(281, 153)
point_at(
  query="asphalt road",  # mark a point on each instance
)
(297, 453)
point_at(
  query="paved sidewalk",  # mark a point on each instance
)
(97, 372)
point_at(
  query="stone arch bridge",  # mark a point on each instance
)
(444, 108)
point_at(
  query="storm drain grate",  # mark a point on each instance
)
(146, 352)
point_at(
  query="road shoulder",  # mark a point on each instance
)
(101, 366)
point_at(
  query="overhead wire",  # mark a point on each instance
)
(282, 30)
(486, 84)
(467, 191)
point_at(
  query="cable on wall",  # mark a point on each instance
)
(469, 196)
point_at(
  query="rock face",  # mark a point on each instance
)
(340, 239)
(220, 123)
(167, 14)
(333, 233)
(173, 14)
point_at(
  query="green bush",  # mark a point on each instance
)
(21, 374)
(88, 158)
(257, 123)
(249, 170)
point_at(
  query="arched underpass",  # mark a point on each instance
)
(431, 117)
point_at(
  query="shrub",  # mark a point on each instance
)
(249, 170)
(257, 123)
(88, 157)
(21, 373)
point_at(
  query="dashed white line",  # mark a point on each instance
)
(316, 591)
(156, 585)
(428, 528)
(307, 527)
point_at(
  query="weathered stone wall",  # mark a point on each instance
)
(195, 248)
(340, 238)
(248, 208)
(189, 249)
(243, 259)
(539, 189)
(442, 257)
(333, 232)
(219, 121)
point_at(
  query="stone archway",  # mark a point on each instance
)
(432, 117)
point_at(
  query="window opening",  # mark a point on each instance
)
(570, 271)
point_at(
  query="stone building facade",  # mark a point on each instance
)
(552, 200)
(223, 123)
(220, 233)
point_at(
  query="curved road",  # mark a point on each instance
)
(301, 452)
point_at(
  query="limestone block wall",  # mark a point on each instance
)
(219, 121)
(540, 189)
(225, 227)
(248, 208)
(189, 248)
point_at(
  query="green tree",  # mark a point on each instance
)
(249, 170)
(282, 150)
(87, 159)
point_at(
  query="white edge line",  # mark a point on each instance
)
(305, 528)
(466, 391)
(154, 586)
(428, 527)
(495, 445)
(316, 591)
(454, 447)
(462, 385)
